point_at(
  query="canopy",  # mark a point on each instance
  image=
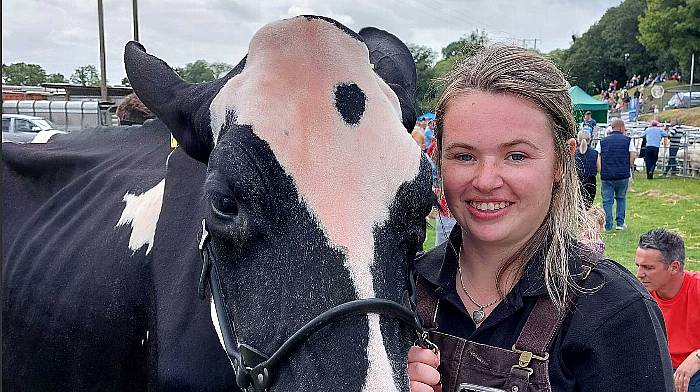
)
(583, 102)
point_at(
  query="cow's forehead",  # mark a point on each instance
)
(347, 174)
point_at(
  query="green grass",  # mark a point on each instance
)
(672, 203)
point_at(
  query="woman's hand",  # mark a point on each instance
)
(422, 370)
(681, 377)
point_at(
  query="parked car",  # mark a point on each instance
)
(19, 128)
(680, 100)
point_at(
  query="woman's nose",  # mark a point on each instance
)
(487, 177)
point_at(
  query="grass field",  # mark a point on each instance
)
(672, 203)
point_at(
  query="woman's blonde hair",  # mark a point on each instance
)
(523, 73)
(584, 140)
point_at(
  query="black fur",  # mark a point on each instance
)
(350, 102)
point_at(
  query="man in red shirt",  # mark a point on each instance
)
(660, 260)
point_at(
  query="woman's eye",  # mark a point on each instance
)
(516, 156)
(464, 157)
(223, 205)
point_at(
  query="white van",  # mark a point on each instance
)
(19, 128)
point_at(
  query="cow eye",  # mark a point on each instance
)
(223, 206)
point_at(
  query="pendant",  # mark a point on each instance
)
(478, 315)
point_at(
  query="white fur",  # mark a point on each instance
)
(347, 176)
(142, 212)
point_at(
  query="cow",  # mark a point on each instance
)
(297, 174)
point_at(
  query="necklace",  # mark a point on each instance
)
(478, 315)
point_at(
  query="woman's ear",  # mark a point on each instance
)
(571, 146)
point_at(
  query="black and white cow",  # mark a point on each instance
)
(314, 195)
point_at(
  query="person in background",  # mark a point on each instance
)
(131, 111)
(592, 236)
(513, 300)
(418, 136)
(615, 158)
(588, 123)
(429, 133)
(660, 260)
(587, 167)
(444, 221)
(675, 136)
(653, 135)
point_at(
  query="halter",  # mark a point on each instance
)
(255, 371)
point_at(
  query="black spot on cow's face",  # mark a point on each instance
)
(350, 102)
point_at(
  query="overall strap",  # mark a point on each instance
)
(539, 331)
(426, 303)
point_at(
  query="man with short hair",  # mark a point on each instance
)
(589, 123)
(616, 156)
(660, 260)
(653, 135)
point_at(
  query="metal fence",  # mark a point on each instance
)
(690, 144)
(66, 115)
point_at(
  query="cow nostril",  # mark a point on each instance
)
(350, 102)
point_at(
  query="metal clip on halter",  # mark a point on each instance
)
(526, 357)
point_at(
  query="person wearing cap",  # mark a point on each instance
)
(675, 136)
(653, 135)
(589, 123)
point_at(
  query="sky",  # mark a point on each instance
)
(62, 35)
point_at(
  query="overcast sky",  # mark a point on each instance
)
(62, 35)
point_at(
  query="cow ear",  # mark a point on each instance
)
(394, 63)
(182, 106)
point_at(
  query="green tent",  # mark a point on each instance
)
(583, 102)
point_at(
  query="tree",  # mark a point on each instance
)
(466, 45)
(197, 72)
(672, 26)
(56, 78)
(85, 76)
(598, 56)
(21, 74)
(423, 56)
(220, 69)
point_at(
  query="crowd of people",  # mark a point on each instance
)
(520, 297)
(618, 97)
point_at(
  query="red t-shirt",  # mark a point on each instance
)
(682, 317)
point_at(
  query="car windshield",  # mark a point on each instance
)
(43, 124)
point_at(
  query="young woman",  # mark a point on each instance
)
(516, 303)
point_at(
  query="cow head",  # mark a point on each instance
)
(317, 194)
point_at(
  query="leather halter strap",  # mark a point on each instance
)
(254, 370)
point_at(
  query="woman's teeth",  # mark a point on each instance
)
(491, 206)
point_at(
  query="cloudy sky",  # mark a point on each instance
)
(62, 35)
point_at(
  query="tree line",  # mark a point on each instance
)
(22, 74)
(637, 37)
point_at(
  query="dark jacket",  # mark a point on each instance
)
(615, 157)
(586, 163)
(613, 338)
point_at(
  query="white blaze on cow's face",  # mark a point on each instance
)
(348, 174)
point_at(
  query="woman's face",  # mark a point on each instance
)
(498, 167)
